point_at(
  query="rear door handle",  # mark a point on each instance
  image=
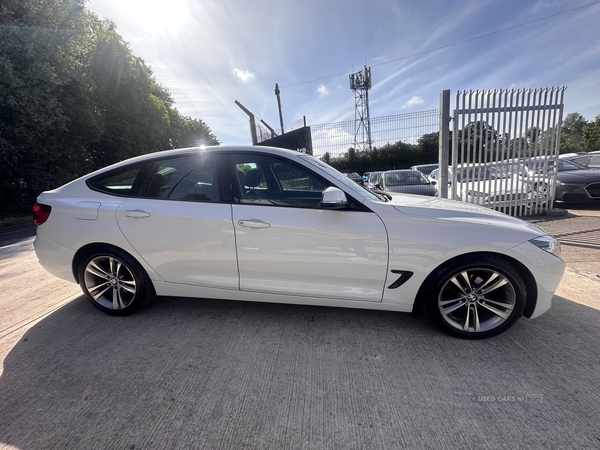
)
(253, 223)
(137, 213)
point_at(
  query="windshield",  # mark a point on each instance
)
(373, 176)
(405, 178)
(340, 177)
(564, 165)
(540, 165)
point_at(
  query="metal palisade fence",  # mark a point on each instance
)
(500, 150)
(505, 146)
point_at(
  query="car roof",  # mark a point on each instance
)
(200, 150)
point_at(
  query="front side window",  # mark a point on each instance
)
(270, 181)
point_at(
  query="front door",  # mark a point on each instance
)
(287, 244)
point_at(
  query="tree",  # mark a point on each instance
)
(591, 135)
(571, 140)
(478, 141)
(41, 45)
(429, 145)
(74, 98)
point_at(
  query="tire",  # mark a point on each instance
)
(541, 193)
(114, 282)
(475, 298)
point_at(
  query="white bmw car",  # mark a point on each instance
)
(489, 185)
(273, 225)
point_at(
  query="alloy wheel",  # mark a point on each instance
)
(477, 300)
(110, 282)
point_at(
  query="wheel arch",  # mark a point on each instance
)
(89, 249)
(524, 272)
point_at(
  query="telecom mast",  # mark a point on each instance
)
(360, 83)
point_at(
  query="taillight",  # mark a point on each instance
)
(41, 213)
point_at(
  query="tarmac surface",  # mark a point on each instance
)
(207, 374)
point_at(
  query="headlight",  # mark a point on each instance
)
(547, 243)
(570, 184)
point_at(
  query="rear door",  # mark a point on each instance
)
(181, 225)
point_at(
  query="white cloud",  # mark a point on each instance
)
(413, 101)
(322, 90)
(244, 75)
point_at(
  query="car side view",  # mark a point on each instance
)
(272, 225)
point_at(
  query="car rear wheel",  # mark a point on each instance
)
(114, 282)
(476, 299)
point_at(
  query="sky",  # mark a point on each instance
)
(210, 53)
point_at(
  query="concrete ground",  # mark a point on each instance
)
(206, 374)
(579, 234)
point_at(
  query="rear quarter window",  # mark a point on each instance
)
(116, 182)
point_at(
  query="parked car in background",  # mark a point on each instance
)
(425, 169)
(371, 179)
(488, 185)
(591, 159)
(355, 177)
(407, 181)
(576, 183)
(273, 225)
(540, 181)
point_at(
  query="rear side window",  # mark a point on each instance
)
(164, 174)
(117, 182)
(201, 184)
(190, 178)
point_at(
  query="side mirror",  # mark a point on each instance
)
(334, 198)
(433, 182)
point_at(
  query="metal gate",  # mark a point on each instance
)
(505, 146)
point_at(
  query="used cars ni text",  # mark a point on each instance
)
(272, 225)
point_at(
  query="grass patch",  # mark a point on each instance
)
(15, 220)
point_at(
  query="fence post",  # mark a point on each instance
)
(444, 140)
(252, 123)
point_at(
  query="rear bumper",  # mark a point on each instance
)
(54, 257)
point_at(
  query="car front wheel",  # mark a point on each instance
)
(114, 282)
(476, 299)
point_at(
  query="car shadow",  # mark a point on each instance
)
(189, 373)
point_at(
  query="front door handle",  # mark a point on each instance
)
(137, 213)
(253, 223)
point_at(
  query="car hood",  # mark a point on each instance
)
(579, 176)
(456, 211)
